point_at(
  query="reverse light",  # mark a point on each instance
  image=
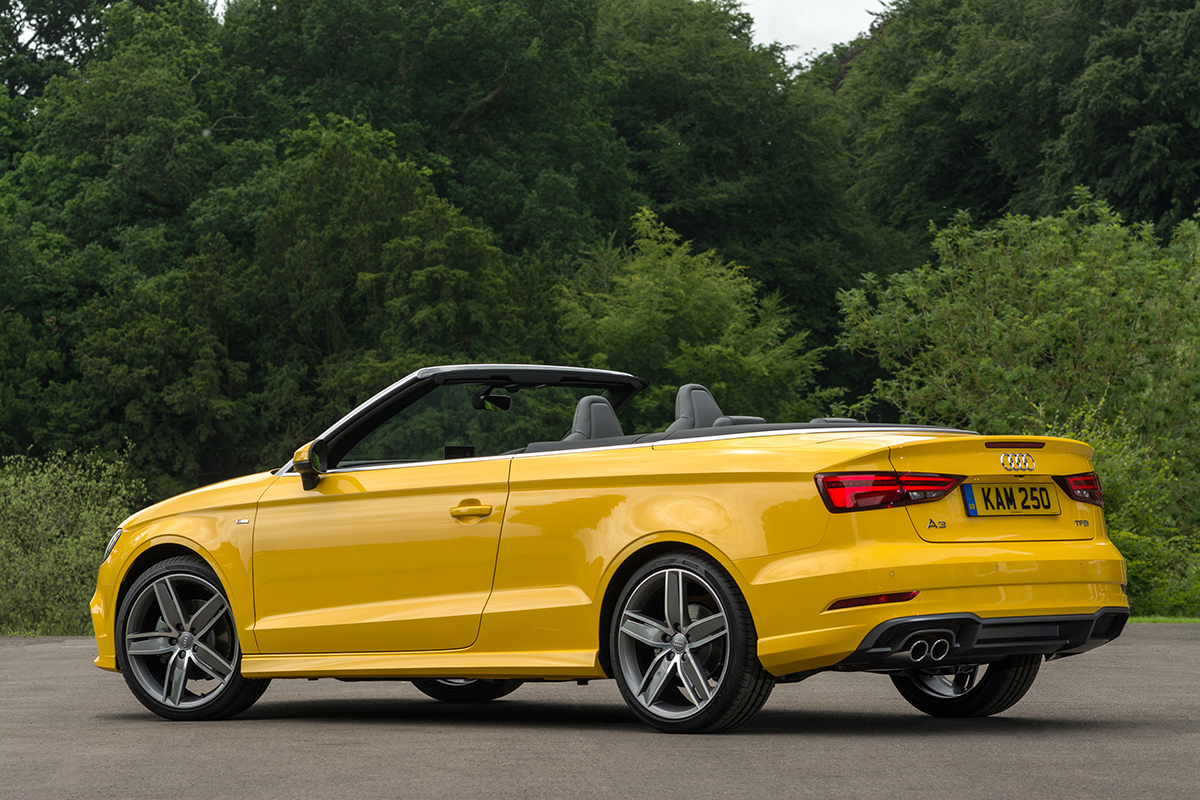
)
(861, 491)
(875, 599)
(1084, 487)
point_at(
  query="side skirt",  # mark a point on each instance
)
(571, 664)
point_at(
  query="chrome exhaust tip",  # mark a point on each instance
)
(919, 649)
(939, 650)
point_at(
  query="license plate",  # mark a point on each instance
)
(1009, 499)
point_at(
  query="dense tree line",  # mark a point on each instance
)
(999, 106)
(219, 232)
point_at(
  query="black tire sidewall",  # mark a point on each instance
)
(1004, 683)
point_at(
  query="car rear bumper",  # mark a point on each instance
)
(791, 596)
(949, 639)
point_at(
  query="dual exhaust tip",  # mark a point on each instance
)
(934, 650)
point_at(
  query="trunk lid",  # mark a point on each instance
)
(1009, 494)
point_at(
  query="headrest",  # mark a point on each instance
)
(594, 419)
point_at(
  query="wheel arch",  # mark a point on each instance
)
(157, 552)
(633, 559)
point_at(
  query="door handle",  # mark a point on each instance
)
(470, 511)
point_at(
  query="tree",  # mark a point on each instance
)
(1056, 314)
(363, 273)
(43, 38)
(503, 101)
(919, 158)
(735, 154)
(1000, 106)
(56, 515)
(1073, 325)
(672, 316)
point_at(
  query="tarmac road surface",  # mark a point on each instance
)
(1120, 722)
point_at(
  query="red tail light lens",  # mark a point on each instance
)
(1084, 487)
(860, 491)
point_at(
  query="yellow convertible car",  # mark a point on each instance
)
(471, 528)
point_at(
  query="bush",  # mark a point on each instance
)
(1164, 579)
(1139, 494)
(57, 513)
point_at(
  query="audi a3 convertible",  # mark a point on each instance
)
(471, 528)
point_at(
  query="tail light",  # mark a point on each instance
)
(1084, 487)
(860, 491)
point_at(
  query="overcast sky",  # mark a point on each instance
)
(813, 26)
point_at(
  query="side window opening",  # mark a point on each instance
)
(467, 421)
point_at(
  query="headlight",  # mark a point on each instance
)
(111, 544)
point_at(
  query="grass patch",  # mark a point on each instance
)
(1165, 619)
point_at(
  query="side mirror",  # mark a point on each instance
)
(310, 462)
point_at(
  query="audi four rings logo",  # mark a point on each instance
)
(1016, 461)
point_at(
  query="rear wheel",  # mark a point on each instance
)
(177, 644)
(465, 690)
(975, 691)
(684, 648)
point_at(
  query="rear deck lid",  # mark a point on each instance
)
(1009, 492)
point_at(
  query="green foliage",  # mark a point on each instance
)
(1072, 325)
(1007, 105)
(504, 99)
(919, 157)
(227, 363)
(43, 38)
(1056, 312)
(673, 317)
(735, 154)
(1164, 573)
(363, 273)
(24, 362)
(1139, 484)
(57, 513)
(1140, 494)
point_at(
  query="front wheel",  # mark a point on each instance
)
(464, 690)
(684, 648)
(966, 692)
(177, 644)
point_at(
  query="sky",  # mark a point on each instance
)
(813, 26)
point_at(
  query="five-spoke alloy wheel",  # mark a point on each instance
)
(178, 644)
(969, 691)
(684, 648)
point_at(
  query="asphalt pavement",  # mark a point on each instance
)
(1120, 722)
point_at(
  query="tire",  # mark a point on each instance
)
(684, 648)
(177, 644)
(965, 694)
(465, 690)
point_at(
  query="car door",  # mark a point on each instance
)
(393, 550)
